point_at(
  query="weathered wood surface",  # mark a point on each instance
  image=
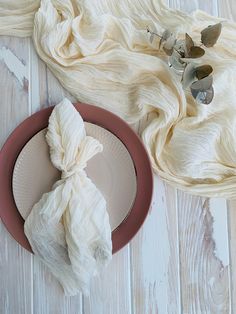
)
(183, 259)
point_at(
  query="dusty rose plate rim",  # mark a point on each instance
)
(32, 125)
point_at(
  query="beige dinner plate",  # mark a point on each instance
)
(112, 171)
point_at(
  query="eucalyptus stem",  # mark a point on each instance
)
(201, 89)
(178, 52)
(154, 33)
(149, 31)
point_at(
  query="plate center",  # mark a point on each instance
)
(112, 171)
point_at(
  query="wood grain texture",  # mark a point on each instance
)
(155, 253)
(209, 6)
(155, 256)
(232, 247)
(204, 277)
(110, 292)
(15, 262)
(227, 9)
(183, 260)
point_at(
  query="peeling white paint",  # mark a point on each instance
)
(15, 66)
(34, 92)
(218, 209)
(211, 281)
(156, 253)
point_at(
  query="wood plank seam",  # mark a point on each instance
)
(228, 225)
(230, 261)
(178, 250)
(130, 280)
(30, 109)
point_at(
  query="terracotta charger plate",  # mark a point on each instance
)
(122, 172)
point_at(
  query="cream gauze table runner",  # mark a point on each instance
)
(100, 52)
(68, 229)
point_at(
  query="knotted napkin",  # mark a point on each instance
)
(68, 229)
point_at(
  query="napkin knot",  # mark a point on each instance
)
(77, 169)
(89, 147)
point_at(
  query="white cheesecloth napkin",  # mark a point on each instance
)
(68, 229)
(101, 53)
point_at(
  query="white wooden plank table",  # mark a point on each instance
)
(183, 260)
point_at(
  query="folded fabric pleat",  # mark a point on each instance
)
(68, 229)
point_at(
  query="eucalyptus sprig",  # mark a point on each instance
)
(183, 52)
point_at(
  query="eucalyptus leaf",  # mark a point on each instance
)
(203, 71)
(151, 38)
(210, 35)
(189, 75)
(176, 63)
(188, 43)
(168, 46)
(180, 47)
(188, 60)
(166, 34)
(168, 51)
(195, 52)
(203, 84)
(203, 97)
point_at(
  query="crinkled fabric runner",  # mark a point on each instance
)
(68, 229)
(100, 52)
